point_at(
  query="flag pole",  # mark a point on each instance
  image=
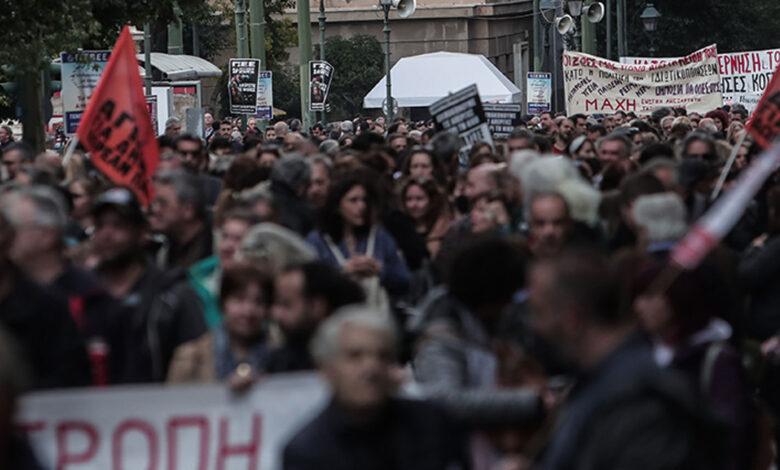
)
(69, 151)
(727, 168)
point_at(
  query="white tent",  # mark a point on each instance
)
(420, 80)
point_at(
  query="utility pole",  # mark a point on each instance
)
(304, 47)
(148, 59)
(621, 17)
(175, 33)
(588, 35)
(537, 37)
(241, 45)
(608, 16)
(257, 40)
(321, 19)
(389, 97)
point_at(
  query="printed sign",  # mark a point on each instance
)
(502, 118)
(170, 427)
(265, 96)
(151, 106)
(242, 87)
(539, 89)
(596, 85)
(462, 113)
(320, 74)
(80, 75)
(743, 75)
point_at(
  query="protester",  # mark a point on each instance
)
(364, 426)
(15, 156)
(425, 202)
(290, 181)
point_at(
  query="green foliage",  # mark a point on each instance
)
(358, 66)
(688, 25)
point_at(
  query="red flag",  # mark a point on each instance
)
(116, 128)
(765, 123)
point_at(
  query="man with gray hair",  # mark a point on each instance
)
(661, 220)
(172, 127)
(179, 212)
(364, 426)
(290, 180)
(38, 216)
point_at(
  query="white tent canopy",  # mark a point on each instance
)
(420, 80)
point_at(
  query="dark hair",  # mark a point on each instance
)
(438, 202)
(699, 136)
(26, 152)
(188, 138)
(598, 128)
(241, 166)
(543, 143)
(439, 173)
(323, 280)
(252, 140)
(188, 187)
(575, 117)
(773, 205)
(166, 141)
(639, 184)
(331, 221)
(219, 142)
(656, 150)
(486, 270)
(226, 121)
(238, 278)
(520, 133)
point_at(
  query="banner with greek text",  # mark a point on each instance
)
(597, 85)
(743, 75)
(170, 427)
(502, 118)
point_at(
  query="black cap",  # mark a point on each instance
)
(122, 200)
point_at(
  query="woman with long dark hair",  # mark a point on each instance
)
(427, 205)
(349, 237)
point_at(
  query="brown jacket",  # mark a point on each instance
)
(193, 362)
(436, 235)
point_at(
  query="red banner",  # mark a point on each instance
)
(765, 123)
(116, 127)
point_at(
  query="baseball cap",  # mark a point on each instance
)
(122, 200)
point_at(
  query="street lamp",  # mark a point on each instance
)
(321, 19)
(650, 18)
(405, 9)
(575, 7)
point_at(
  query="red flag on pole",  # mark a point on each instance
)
(116, 128)
(765, 122)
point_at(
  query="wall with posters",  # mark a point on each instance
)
(596, 85)
(166, 427)
(744, 75)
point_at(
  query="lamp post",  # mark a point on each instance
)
(321, 18)
(650, 18)
(386, 4)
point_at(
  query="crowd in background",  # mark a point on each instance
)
(490, 309)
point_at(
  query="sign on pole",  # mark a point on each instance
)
(596, 85)
(170, 427)
(502, 118)
(242, 85)
(265, 96)
(539, 88)
(743, 75)
(81, 72)
(321, 74)
(462, 113)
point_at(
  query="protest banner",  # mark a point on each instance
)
(116, 128)
(502, 118)
(265, 96)
(764, 124)
(539, 86)
(242, 85)
(170, 427)
(743, 75)
(320, 75)
(463, 114)
(80, 75)
(596, 85)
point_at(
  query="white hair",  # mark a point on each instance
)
(545, 174)
(519, 160)
(325, 343)
(583, 201)
(50, 207)
(662, 215)
(279, 246)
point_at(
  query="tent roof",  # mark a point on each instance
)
(181, 67)
(420, 80)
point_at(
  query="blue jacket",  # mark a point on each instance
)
(395, 275)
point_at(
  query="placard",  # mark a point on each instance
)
(539, 89)
(242, 85)
(265, 96)
(743, 75)
(170, 427)
(320, 75)
(502, 118)
(463, 114)
(81, 72)
(596, 85)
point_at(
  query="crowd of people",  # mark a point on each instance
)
(510, 307)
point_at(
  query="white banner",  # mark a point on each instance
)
(80, 75)
(597, 85)
(744, 75)
(170, 427)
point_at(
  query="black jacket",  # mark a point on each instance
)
(292, 211)
(39, 321)
(409, 435)
(759, 274)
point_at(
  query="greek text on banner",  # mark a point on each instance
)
(597, 85)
